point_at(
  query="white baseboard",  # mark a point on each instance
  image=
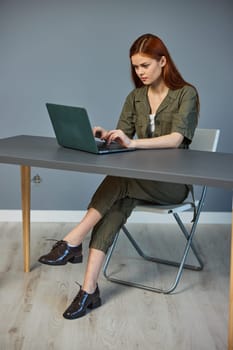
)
(136, 217)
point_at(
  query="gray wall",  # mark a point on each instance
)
(76, 53)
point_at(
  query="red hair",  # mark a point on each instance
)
(152, 46)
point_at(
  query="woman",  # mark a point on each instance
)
(162, 111)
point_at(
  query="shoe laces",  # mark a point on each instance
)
(81, 290)
(54, 240)
(79, 294)
(80, 286)
(58, 242)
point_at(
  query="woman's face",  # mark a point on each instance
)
(148, 69)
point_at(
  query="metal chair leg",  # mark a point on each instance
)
(181, 265)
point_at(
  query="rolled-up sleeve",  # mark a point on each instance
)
(186, 119)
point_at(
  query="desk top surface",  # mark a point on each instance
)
(171, 165)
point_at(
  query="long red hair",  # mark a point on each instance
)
(152, 46)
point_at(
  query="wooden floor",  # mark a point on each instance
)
(195, 317)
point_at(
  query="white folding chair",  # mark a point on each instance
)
(204, 140)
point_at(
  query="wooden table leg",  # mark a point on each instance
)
(26, 198)
(230, 324)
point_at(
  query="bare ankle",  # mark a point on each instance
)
(89, 288)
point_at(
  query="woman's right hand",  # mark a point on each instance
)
(100, 132)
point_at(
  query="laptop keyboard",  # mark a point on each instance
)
(105, 146)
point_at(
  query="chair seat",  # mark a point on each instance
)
(166, 209)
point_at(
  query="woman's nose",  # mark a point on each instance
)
(140, 71)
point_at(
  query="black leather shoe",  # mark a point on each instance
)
(81, 302)
(61, 254)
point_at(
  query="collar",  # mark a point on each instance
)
(141, 93)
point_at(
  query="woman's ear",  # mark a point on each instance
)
(163, 61)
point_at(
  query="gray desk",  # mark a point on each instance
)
(173, 165)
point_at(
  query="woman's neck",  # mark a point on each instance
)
(156, 95)
(158, 88)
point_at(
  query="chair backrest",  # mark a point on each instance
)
(205, 140)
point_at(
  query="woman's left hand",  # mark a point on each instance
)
(119, 137)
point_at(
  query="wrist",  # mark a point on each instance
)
(132, 143)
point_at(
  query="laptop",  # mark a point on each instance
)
(73, 129)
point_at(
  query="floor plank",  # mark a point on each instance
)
(194, 317)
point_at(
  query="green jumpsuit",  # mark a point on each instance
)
(116, 197)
